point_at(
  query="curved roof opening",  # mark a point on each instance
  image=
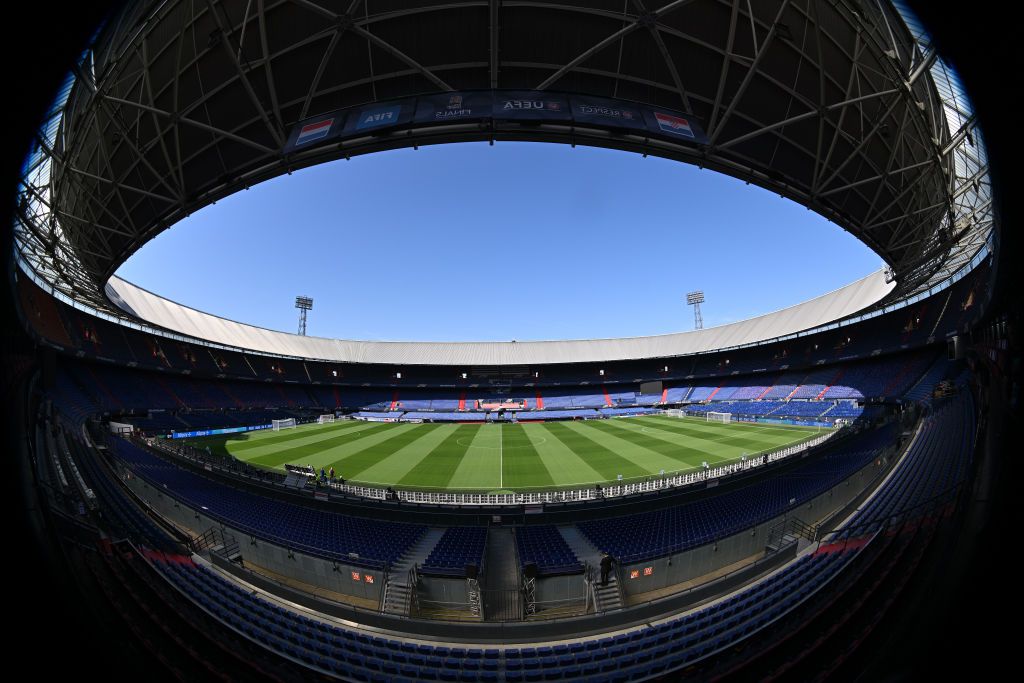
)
(515, 241)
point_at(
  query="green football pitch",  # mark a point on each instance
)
(506, 457)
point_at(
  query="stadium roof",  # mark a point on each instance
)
(843, 107)
(822, 310)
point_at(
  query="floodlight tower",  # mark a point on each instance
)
(304, 304)
(695, 299)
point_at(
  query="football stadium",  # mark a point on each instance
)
(814, 492)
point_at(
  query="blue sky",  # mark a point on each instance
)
(515, 241)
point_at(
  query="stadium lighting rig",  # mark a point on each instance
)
(695, 299)
(304, 304)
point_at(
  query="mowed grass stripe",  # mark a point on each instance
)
(596, 455)
(771, 436)
(393, 467)
(523, 466)
(563, 464)
(730, 427)
(694, 449)
(239, 444)
(651, 453)
(709, 440)
(328, 450)
(319, 440)
(269, 437)
(481, 463)
(436, 469)
(354, 464)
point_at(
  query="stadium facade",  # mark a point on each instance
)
(208, 565)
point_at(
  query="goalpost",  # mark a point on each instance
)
(324, 419)
(719, 417)
(278, 425)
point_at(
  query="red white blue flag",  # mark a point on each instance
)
(314, 131)
(674, 124)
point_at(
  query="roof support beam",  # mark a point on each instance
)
(391, 49)
(801, 117)
(959, 137)
(726, 61)
(494, 11)
(751, 71)
(196, 124)
(600, 45)
(379, 42)
(652, 25)
(275, 132)
(99, 99)
(876, 178)
(147, 86)
(267, 70)
(120, 186)
(328, 52)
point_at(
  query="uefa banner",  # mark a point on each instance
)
(608, 113)
(454, 106)
(316, 131)
(525, 106)
(371, 118)
(529, 105)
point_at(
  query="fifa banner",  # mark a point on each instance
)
(371, 118)
(316, 131)
(608, 113)
(454, 106)
(528, 105)
(673, 124)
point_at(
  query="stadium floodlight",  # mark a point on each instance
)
(304, 304)
(695, 299)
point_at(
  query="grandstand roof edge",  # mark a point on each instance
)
(826, 308)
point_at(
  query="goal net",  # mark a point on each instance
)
(719, 417)
(278, 425)
(324, 419)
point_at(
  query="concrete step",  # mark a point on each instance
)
(501, 560)
(397, 601)
(585, 550)
(608, 597)
(418, 552)
(502, 576)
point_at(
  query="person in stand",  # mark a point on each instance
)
(606, 568)
(332, 472)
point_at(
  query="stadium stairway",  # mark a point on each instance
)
(585, 551)
(607, 597)
(502, 574)
(397, 590)
(923, 387)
